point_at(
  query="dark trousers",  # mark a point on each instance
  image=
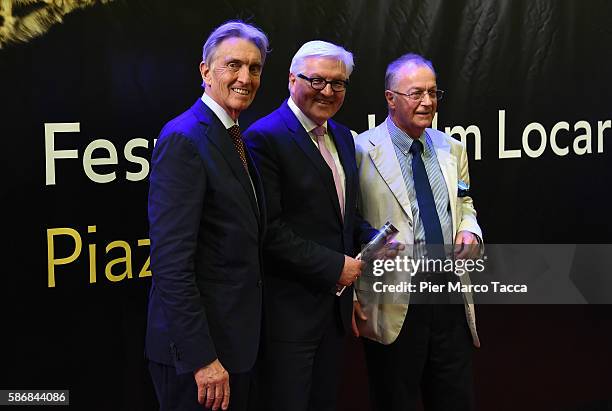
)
(180, 392)
(432, 355)
(302, 376)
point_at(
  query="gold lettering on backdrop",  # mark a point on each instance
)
(65, 249)
(145, 271)
(52, 261)
(125, 259)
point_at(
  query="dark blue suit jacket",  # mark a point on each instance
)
(206, 229)
(306, 239)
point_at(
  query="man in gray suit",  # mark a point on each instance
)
(415, 177)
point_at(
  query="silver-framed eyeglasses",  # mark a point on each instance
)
(420, 94)
(319, 83)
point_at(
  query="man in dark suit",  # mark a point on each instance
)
(207, 222)
(307, 162)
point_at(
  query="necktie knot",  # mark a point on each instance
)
(416, 147)
(319, 131)
(235, 131)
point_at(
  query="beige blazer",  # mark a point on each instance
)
(384, 198)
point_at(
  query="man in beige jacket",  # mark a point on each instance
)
(417, 178)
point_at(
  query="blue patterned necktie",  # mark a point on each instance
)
(427, 204)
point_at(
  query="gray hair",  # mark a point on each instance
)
(397, 64)
(234, 28)
(318, 48)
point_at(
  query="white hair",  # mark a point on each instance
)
(319, 48)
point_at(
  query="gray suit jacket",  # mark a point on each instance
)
(384, 198)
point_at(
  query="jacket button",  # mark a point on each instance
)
(259, 283)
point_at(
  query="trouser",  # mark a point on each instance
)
(432, 355)
(303, 376)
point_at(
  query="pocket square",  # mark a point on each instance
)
(463, 189)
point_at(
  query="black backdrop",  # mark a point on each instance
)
(123, 68)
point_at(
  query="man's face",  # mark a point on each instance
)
(409, 115)
(233, 77)
(318, 105)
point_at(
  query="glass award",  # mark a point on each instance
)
(375, 248)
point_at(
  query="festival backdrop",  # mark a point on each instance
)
(87, 85)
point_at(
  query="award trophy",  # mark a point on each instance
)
(369, 253)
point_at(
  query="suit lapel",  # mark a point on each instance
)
(219, 136)
(448, 165)
(257, 185)
(383, 156)
(305, 143)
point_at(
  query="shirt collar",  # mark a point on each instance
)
(403, 141)
(306, 122)
(219, 111)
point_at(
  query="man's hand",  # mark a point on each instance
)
(351, 271)
(357, 314)
(213, 386)
(466, 245)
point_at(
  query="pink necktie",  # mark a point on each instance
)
(320, 133)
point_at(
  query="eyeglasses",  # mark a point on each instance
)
(319, 83)
(420, 95)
